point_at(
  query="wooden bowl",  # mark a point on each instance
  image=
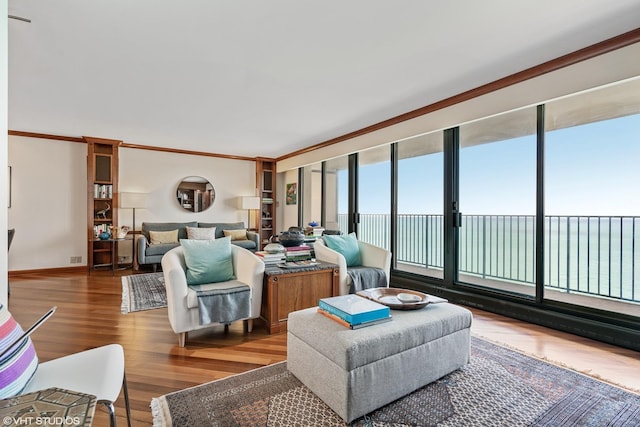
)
(389, 297)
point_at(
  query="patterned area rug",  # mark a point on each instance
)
(500, 387)
(143, 292)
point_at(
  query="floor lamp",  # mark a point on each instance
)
(249, 203)
(133, 201)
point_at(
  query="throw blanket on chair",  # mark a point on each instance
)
(224, 305)
(365, 278)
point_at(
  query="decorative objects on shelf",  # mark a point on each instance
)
(102, 191)
(119, 233)
(102, 213)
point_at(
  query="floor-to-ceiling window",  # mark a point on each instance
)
(374, 196)
(550, 212)
(497, 197)
(419, 235)
(592, 203)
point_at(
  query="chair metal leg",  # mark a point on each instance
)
(112, 411)
(182, 339)
(111, 408)
(126, 399)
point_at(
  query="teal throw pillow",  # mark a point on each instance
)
(347, 245)
(208, 261)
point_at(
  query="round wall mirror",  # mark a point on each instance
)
(195, 194)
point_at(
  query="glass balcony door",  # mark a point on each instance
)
(419, 235)
(497, 198)
(374, 196)
(592, 219)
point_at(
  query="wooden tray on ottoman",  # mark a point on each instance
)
(389, 297)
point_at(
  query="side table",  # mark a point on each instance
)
(114, 262)
(290, 289)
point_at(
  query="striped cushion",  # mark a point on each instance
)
(20, 363)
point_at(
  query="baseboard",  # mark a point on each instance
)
(58, 270)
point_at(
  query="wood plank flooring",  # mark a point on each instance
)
(89, 315)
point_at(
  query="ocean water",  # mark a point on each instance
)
(595, 255)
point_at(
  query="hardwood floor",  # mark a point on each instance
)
(89, 315)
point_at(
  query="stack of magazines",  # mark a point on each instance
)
(270, 258)
(298, 253)
(354, 311)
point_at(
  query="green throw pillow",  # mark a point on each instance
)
(208, 261)
(347, 245)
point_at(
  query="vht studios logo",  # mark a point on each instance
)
(41, 421)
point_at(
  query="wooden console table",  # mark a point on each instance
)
(285, 290)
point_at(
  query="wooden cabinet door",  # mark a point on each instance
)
(299, 291)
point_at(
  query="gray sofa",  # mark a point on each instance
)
(148, 254)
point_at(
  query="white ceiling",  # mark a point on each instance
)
(265, 78)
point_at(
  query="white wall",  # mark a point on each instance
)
(312, 194)
(288, 214)
(4, 95)
(158, 174)
(49, 201)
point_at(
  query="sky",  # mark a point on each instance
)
(593, 169)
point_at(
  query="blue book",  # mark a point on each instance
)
(354, 308)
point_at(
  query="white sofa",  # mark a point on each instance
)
(371, 256)
(182, 301)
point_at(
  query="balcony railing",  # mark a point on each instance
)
(595, 255)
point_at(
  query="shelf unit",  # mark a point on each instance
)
(266, 182)
(102, 198)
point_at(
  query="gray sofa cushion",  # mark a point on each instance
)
(160, 249)
(221, 226)
(247, 244)
(167, 226)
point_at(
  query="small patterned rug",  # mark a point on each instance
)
(143, 292)
(500, 387)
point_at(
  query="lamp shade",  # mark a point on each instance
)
(133, 200)
(249, 202)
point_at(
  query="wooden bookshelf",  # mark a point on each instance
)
(102, 198)
(266, 182)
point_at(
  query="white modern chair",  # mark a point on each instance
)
(182, 300)
(98, 371)
(371, 256)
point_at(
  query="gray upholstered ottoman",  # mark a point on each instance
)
(357, 371)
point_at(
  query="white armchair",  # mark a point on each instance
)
(182, 300)
(371, 256)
